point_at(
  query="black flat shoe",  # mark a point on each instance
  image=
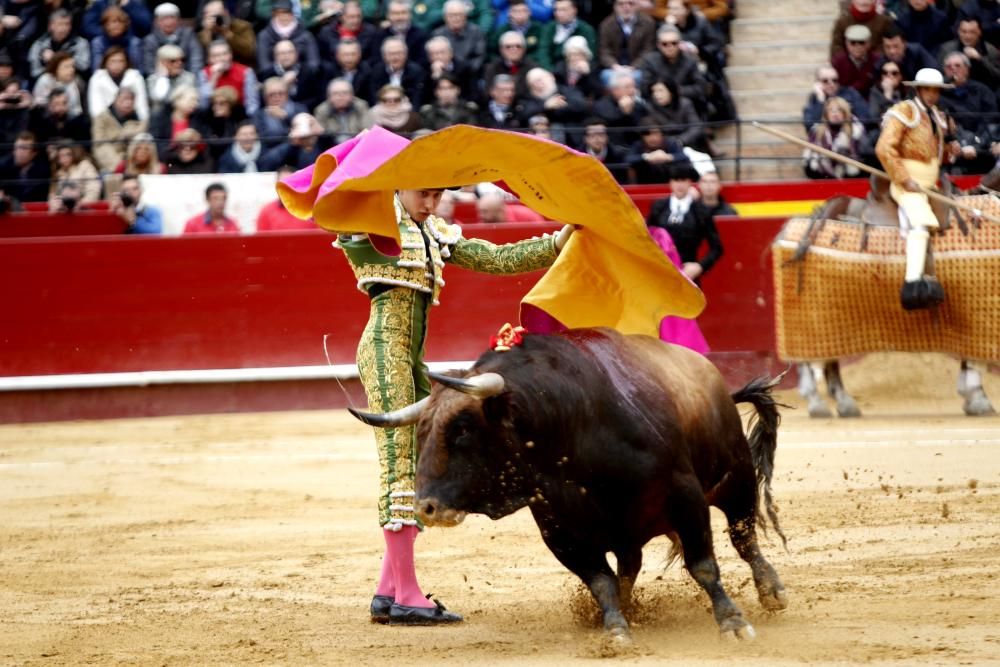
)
(436, 615)
(380, 608)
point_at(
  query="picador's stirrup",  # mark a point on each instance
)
(926, 292)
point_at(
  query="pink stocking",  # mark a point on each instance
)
(386, 582)
(399, 554)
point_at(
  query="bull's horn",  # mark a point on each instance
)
(402, 417)
(480, 386)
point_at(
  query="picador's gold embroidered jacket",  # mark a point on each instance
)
(907, 134)
(425, 248)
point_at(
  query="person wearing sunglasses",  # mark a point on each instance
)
(856, 66)
(888, 91)
(827, 85)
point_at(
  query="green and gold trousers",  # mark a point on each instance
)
(391, 365)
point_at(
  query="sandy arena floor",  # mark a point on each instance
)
(252, 539)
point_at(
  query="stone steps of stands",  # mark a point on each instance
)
(790, 51)
(768, 77)
(762, 9)
(782, 28)
(758, 103)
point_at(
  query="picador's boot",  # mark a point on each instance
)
(919, 291)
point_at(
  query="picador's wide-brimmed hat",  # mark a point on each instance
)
(928, 77)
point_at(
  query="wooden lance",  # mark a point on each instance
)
(937, 196)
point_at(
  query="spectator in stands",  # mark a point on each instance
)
(827, 85)
(499, 111)
(597, 145)
(20, 23)
(274, 217)
(698, 38)
(983, 56)
(306, 142)
(60, 73)
(541, 11)
(189, 154)
(283, 26)
(710, 188)
(140, 18)
(72, 164)
(54, 121)
(400, 24)
(676, 115)
(888, 92)
(909, 57)
(540, 126)
(859, 12)
(116, 32)
(15, 109)
(167, 30)
(565, 107)
(840, 132)
(448, 107)
(398, 70)
(924, 24)
(668, 61)
(114, 128)
(856, 65)
(168, 75)
(512, 62)
(65, 196)
(441, 60)
(274, 118)
(350, 25)
(114, 75)
(349, 66)
(468, 40)
(305, 85)
(518, 20)
(716, 11)
(223, 71)
(651, 158)
(244, 154)
(577, 70)
(622, 108)
(213, 220)
(342, 115)
(141, 157)
(59, 38)
(688, 222)
(218, 123)
(167, 124)
(625, 37)
(429, 15)
(25, 172)
(493, 207)
(6, 65)
(394, 111)
(972, 106)
(566, 24)
(127, 204)
(218, 25)
(988, 13)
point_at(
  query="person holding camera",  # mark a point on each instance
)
(72, 165)
(15, 106)
(65, 196)
(127, 204)
(217, 24)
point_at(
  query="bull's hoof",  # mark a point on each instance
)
(736, 627)
(775, 600)
(847, 408)
(818, 409)
(977, 404)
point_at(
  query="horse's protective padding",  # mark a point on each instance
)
(843, 298)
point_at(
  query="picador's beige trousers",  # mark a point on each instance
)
(919, 217)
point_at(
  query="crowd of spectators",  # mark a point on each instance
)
(875, 47)
(133, 87)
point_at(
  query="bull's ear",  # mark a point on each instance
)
(496, 408)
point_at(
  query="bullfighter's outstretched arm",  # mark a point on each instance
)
(520, 257)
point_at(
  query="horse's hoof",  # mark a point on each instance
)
(847, 408)
(737, 628)
(774, 600)
(818, 409)
(620, 636)
(977, 404)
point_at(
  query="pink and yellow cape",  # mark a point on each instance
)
(611, 273)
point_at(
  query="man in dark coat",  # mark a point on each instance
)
(25, 172)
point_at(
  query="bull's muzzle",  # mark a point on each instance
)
(432, 512)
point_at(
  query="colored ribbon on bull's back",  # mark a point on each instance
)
(609, 274)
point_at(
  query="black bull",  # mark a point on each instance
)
(611, 440)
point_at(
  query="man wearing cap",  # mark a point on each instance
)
(168, 75)
(856, 65)
(284, 25)
(167, 29)
(912, 149)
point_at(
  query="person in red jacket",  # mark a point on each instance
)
(213, 220)
(274, 217)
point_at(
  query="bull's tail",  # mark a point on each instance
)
(763, 439)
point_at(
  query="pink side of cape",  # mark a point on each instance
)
(677, 330)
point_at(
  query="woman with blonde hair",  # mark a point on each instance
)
(394, 111)
(72, 164)
(175, 117)
(141, 157)
(837, 131)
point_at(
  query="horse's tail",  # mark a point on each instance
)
(763, 439)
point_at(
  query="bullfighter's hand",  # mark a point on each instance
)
(562, 236)
(692, 270)
(911, 185)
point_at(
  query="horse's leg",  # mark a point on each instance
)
(970, 387)
(846, 406)
(808, 391)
